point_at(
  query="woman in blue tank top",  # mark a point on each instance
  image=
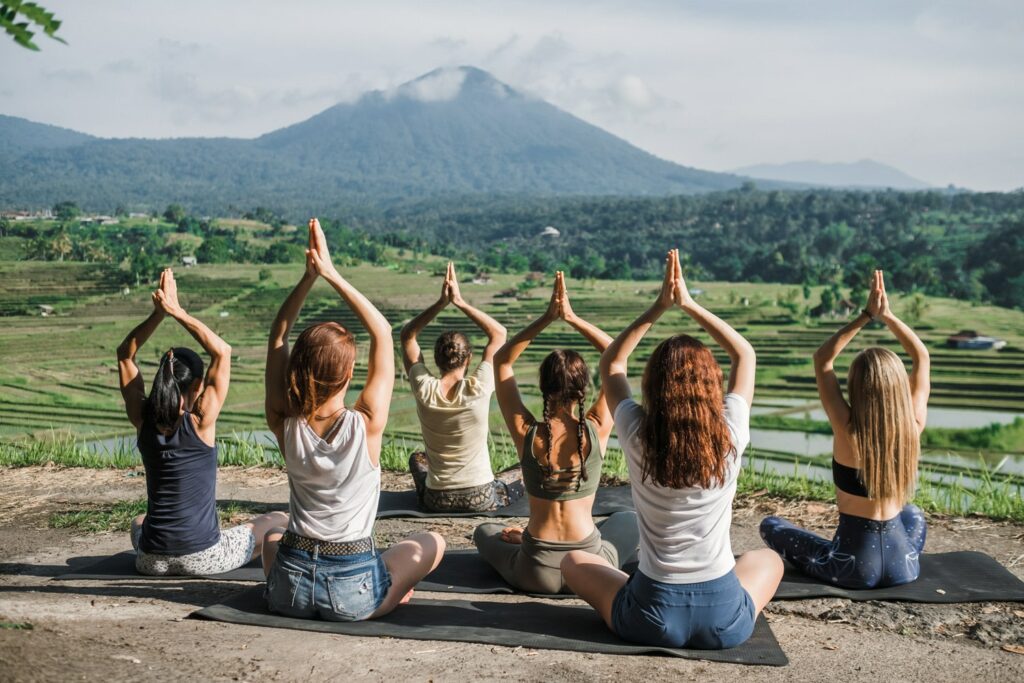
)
(880, 535)
(176, 424)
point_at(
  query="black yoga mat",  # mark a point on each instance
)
(122, 566)
(964, 576)
(517, 624)
(609, 499)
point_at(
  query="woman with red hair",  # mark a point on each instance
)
(326, 563)
(683, 448)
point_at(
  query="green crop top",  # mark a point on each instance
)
(567, 483)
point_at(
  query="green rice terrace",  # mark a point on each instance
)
(59, 400)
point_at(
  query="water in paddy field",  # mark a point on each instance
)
(801, 445)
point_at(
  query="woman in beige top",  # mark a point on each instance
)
(454, 473)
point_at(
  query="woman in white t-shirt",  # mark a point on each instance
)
(683, 449)
(326, 564)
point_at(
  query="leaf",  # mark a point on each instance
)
(1017, 649)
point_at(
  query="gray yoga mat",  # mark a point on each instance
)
(528, 624)
(955, 577)
(610, 499)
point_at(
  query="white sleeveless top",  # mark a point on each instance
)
(334, 487)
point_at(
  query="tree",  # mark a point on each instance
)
(174, 213)
(19, 30)
(66, 211)
(915, 308)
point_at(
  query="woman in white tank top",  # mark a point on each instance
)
(325, 564)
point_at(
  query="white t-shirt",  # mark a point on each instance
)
(684, 533)
(455, 430)
(334, 488)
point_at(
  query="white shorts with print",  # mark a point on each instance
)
(232, 551)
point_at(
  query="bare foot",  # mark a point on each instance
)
(512, 534)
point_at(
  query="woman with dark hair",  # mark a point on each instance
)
(326, 562)
(454, 474)
(880, 535)
(176, 424)
(561, 457)
(683, 449)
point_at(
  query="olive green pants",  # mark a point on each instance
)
(534, 566)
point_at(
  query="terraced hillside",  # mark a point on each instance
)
(59, 376)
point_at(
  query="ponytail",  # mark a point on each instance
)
(173, 378)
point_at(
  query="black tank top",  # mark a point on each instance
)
(181, 484)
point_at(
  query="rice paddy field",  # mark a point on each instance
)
(58, 376)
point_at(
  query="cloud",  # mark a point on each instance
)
(74, 76)
(441, 85)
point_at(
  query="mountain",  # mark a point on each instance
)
(18, 135)
(453, 131)
(865, 174)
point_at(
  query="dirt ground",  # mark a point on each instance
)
(137, 630)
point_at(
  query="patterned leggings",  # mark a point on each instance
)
(506, 489)
(864, 553)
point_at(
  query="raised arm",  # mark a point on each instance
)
(517, 417)
(375, 399)
(599, 339)
(495, 331)
(275, 377)
(411, 353)
(743, 360)
(831, 395)
(218, 376)
(615, 359)
(920, 372)
(133, 387)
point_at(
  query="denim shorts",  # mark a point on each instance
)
(711, 615)
(331, 587)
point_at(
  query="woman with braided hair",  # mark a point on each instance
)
(561, 457)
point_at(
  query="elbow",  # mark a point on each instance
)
(223, 350)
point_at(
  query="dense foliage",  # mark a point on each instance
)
(968, 245)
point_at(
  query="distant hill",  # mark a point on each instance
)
(18, 135)
(865, 173)
(453, 131)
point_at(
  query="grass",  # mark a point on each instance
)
(988, 497)
(991, 495)
(119, 516)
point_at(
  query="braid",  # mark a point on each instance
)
(580, 428)
(547, 427)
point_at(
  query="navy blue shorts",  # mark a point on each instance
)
(711, 615)
(332, 587)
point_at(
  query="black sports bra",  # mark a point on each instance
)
(847, 479)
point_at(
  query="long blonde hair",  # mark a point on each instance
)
(882, 424)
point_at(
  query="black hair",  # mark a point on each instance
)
(179, 368)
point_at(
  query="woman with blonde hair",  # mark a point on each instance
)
(880, 535)
(326, 563)
(683, 449)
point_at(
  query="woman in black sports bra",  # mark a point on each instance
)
(880, 535)
(561, 456)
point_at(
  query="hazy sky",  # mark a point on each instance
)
(933, 88)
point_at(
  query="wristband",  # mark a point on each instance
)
(864, 311)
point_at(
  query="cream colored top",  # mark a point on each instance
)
(455, 430)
